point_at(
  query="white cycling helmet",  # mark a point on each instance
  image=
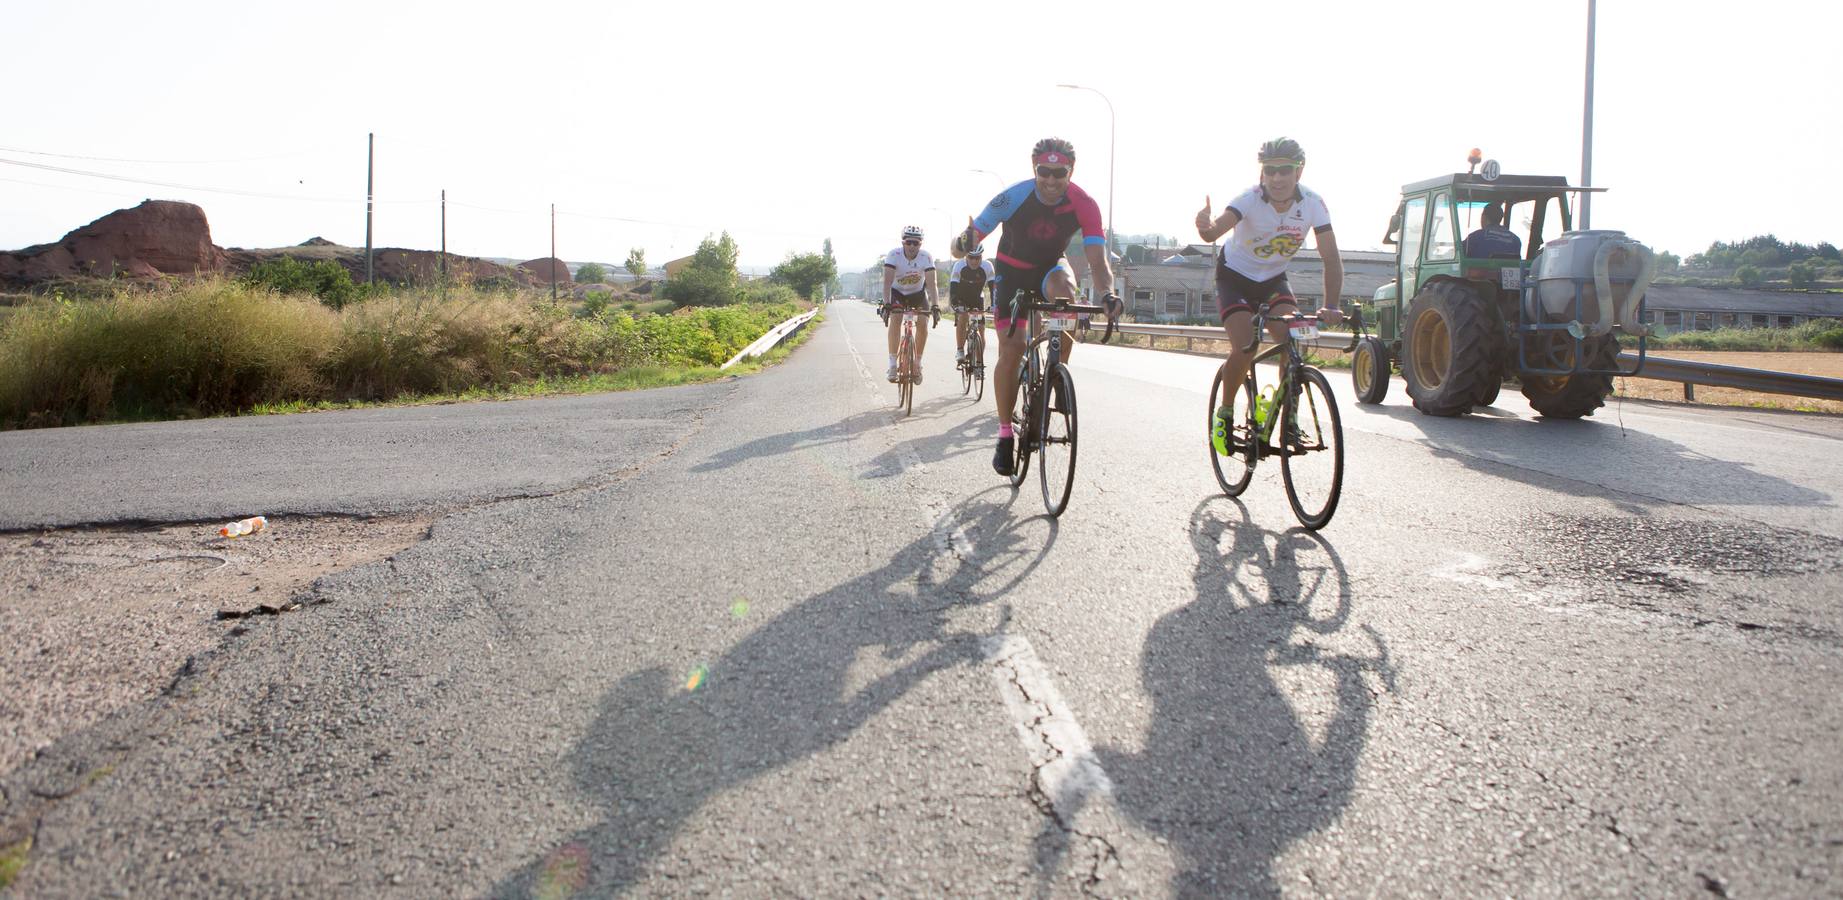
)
(911, 231)
(976, 250)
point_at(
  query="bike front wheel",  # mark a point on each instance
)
(1312, 449)
(1055, 416)
(1023, 419)
(1233, 439)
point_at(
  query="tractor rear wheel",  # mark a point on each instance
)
(1577, 395)
(1450, 349)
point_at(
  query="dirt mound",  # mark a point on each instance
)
(316, 241)
(157, 237)
(541, 270)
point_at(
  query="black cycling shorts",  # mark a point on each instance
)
(1237, 291)
(965, 298)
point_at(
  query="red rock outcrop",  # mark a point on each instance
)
(157, 237)
(540, 269)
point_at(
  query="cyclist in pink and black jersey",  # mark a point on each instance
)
(1270, 222)
(1039, 216)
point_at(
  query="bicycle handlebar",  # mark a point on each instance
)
(1021, 307)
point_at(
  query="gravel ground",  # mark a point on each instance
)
(99, 619)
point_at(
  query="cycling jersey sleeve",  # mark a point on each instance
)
(1088, 217)
(1248, 200)
(1321, 215)
(958, 266)
(1002, 206)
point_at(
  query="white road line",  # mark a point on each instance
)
(1067, 771)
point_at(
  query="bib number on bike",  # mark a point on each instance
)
(1304, 331)
(1060, 322)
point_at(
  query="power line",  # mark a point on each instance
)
(157, 162)
(191, 187)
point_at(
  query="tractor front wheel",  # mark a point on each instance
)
(1369, 370)
(1450, 349)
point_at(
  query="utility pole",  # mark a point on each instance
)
(370, 156)
(553, 252)
(1587, 129)
(444, 243)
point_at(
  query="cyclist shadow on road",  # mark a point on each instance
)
(661, 748)
(1262, 701)
(935, 446)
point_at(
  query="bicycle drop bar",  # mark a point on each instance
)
(1021, 308)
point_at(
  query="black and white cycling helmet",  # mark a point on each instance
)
(1283, 149)
(911, 231)
(976, 250)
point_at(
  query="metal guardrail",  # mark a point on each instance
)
(1692, 373)
(774, 337)
(1687, 372)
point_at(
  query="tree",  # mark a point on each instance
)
(710, 278)
(806, 273)
(1798, 275)
(636, 262)
(1668, 261)
(1749, 276)
(590, 273)
(832, 286)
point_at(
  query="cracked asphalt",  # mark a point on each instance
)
(763, 638)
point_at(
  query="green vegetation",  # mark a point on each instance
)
(710, 278)
(636, 262)
(590, 273)
(1815, 335)
(12, 859)
(218, 347)
(806, 273)
(324, 279)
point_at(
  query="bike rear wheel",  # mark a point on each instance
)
(1056, 438)
(1235, 467)
(1312, 449)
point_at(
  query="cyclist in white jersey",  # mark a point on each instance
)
(909, 283)
(1270, 222)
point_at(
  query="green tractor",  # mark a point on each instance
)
(1550, 314)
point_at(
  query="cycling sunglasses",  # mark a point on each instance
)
(1052, 172)
(911, 243)
(1278, 170)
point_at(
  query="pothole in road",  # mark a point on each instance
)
(1700, 572)
(97, 619)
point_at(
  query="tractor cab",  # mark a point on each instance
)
(1492, 280)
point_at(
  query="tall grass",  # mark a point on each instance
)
(1814, 334)
(215, 347)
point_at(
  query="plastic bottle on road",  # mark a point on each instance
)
(242, 527)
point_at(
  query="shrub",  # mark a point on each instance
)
(590, 273)
(324, 279)
(1749, 275)
(193, 349)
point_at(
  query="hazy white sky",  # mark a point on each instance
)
(788, 123)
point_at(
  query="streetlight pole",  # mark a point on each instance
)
(1111, 134)
(995, 176)
(1587, 129)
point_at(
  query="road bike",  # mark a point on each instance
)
(906, 360)
(972, 360)
(1300, 406)
(1044, 417)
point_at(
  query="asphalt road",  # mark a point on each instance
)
(763, 637)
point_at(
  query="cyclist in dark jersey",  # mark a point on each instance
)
(967, 286)
(1039, 216)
